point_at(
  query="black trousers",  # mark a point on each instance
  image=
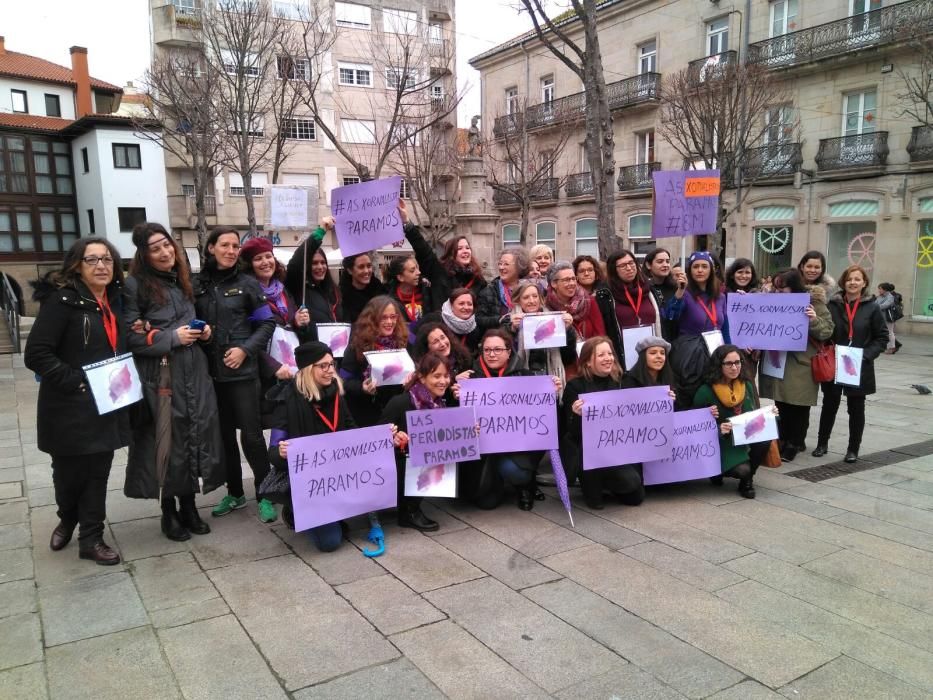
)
(624, 482)
(81, 493)
(832, 396)
(793, 424)
(239, 407)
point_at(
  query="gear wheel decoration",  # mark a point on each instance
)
(925, 252)
(773, 240)
(861, 251)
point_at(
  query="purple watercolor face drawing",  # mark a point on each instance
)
(546, 330)
(774, 358)
(392, 369)
(755, 426)
(430, 476)
(120, 383)
(848, 365)
(287, 353)
(338, 341)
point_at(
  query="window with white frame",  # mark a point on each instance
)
(187, 189)
(187, 7)
(585, 237)
(511, 101)
(584, 159)
(644, 147)
(783, 17)
(351, 180)
(291, 9)
(258, 183)
(20, 101)
(511, 235)
(403, 191)
(648, 57)
(348, 14)
(301, 129)
(244, 6)
(717, 36)
(302, 179)
(395, 77)
(859, 112)
(435, 33)
(858, 7)
(405, 132)
(437, 95)
(639, 226)
(779, 124)
(358, 74)
(546, 234)
(358, 130)
(547, 89)
(547, 163)
(294, 68)
(254, 125)
(399, 21)
(236, 63)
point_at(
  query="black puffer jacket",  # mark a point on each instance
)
(226, 299)
(67, 335)
(868, 332)
(322, 301)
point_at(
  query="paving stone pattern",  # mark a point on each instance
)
(822, 587)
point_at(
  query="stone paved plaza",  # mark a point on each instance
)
(816, 589)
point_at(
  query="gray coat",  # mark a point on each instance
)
(197, 449)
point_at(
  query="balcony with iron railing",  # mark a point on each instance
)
(544, 190)
(856, 151)
(579, 185)
(633, 178)
(920, 146)
(771, 161)
(505, 198)
(712, 67)
(508, 124)
(886, 25)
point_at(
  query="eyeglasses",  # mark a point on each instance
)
(325, 366)
(733, 363)
(624, 265)
(561, 280)
(95, 260)
(494, 351)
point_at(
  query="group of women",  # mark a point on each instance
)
(203, 346)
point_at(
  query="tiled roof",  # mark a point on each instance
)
(20, 65)
(33, 121)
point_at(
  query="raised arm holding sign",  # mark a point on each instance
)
(366, 215)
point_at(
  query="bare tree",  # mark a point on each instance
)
(521, 167)
(737, 119)
(181, 95)
(916, 93)
(585, 60)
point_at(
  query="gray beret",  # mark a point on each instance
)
(652, 341)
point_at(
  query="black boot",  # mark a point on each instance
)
(851, 455)
(171, 525)
(821, 449)
(746, 488)
(189, 517)
(413, 517)
(526, 499)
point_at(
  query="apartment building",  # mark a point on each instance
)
(857, 184)
(352, 88)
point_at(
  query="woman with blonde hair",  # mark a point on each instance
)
(544, 256)
(549, 361)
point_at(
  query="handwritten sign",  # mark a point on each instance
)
(686, 202)
(339, 475)
(693, 452)
(625, 426)
(336, 336)
(769, 321)
(282, 347)
(515, 414)
(754, 426)
(545, 330)
(849, 365)
(289, 206)
(366, 215)
(442, 435)
(389, 367)
(114, 383)
(630, 338)
(773, 363)
(434, 480)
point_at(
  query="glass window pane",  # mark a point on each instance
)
(586, 228)
(546, 232)
(44, 184)
(64, 185)
(68, 240)
(6, 243)
(63, 165)
(923, 287)
(639, 226)
(42, 146)
(60, 147)
(5, 221)
(42, 163)
(23, 221)
(850, 244)
(18, 161)
(50, 242)
(19, 183)
(511, 234)
(26, 242)
(588, 247)
(47, 221)
(68, 221)
(16, 143)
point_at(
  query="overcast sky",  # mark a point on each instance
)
(116, 34)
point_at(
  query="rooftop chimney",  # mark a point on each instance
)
(2, 46)
(82, 78)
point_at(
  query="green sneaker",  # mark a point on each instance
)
(228, 504)
(267, 512)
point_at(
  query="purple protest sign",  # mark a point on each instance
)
(339, 475)
(625, 426)
(768, 321)
(686, 203)
(443, 435)
(693, 452)
(366, 215)
(515, 414)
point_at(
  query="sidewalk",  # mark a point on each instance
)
(819, 588)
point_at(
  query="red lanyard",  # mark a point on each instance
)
(329, 424)
(850, 314)
(482, 366)
(637, 307)
(469, 284)
(110, 322)
(710, 310)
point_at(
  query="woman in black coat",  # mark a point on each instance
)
(159, 296)
(320, 298)
(79, 323)
(858, 322)
(232, 303)
(358, 285)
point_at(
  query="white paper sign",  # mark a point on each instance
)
(336, 336)
(630, 338)
(439, 480)
(849, 365)
(580, 347)
(288, 206)
(282, 347)
(544, 330)
(389, 367)
(713, 340)
(114, 383)
(754, 426)
(773, 363)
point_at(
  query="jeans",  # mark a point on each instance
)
(327, 537)
(512, 473)
(832, 396)
(238, 407)
(81, 493)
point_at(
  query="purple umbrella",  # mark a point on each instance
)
(560, 479)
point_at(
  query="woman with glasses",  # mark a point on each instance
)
(231, 302)
(729, 394)
(550, 361)
(496, 298)
(160, 298)
(565, 294)
(79, 323)
(589, 273)
(628, 302)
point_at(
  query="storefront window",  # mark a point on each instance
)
(851, 244)
(773, 246)
(923, 286)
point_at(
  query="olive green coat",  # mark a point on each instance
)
(730, 454)
(797, 387)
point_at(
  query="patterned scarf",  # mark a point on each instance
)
(424, 399)
(578, 306)
(455, 323)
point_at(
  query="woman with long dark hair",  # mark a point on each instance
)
(460, 269)
(232, 303)
(79, 323)
(436, 337)
(159, 295)
(812, 268)
(628, 302)
(320, 298)
(742, 277)
(589, 272)
(652, 367)
(664, 281)
(358, 284)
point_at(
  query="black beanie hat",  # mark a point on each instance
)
(310, 352)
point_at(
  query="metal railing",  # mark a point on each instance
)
(11, 309)
(857, 151)
(712, 67)
(636, 177)
(579, 185)
(773, 160)
(920, 146)
(504, 198)
(508, 124)
(543, 190)
(883, 26)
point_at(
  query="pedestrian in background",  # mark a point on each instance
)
(892, 308)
